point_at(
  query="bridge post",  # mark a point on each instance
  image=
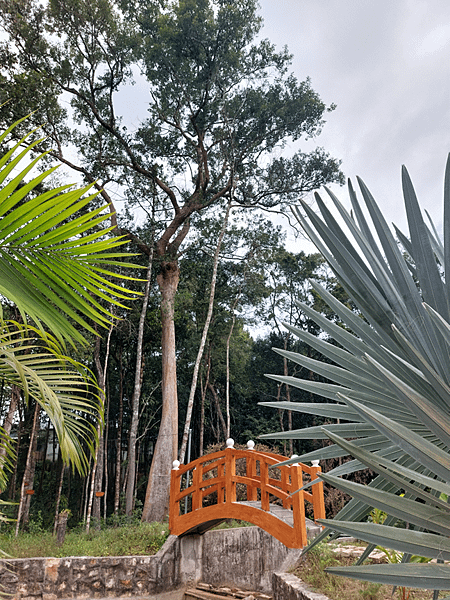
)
(197, 477)
(264, 473)
(230, 472)
(174, 510)
(252, 491)
(317, 492)
(298, 505)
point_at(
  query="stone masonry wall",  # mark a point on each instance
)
(86, 577)
(244, 557)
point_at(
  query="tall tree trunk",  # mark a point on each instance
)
(105, 455)
(202, 410)
(28, 476)
(119, 440)
(219, 410)
(58, 496)
(93, 506)
(156, 503)
(198, 360)
(288, 395)
(132, 439)
(99, 458)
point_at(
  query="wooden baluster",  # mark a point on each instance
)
(174, 506)
(230, 472)
(264, 473)
(317, 492)
(252, 491)
(197, 479)
(285, 485)
(298, 506)
(221, 485)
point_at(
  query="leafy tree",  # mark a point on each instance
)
(221, 107)
(391, 382)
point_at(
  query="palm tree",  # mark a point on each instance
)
(55, 266)
(389, 381)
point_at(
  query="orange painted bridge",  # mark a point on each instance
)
(215, 481)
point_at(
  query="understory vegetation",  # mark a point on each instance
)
(124, 539)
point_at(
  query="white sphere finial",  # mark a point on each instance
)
(294, 456)
(229, 442)
(250, 444)
(176, 465)
(315, 463)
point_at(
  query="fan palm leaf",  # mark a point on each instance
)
(389, 378)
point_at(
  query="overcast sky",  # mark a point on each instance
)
(386, 65)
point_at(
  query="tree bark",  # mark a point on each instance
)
(156, 503)
(28, 476)
(119, 441)
(288, 396)
(132, 439)
(93, 507)
(219, 410)
(58, 497)
(202, 410)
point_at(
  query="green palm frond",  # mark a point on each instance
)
(390, 378)
(63, 387)
(55, 260)
(57, 265)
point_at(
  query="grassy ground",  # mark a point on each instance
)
(142, 538)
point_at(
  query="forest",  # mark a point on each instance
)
(188, 125)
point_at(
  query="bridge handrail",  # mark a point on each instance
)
(224, 482)
(276, 487)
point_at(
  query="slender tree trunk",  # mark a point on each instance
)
(58, 497)
(156, 503)
(288, 396)
(12, 485)
(219, 410)
(44, 460)
(227, 395)
(28, 476)
(132, 438)
(119, 441)
(93, 508)
(198, 360)
(105, 455)
(202, 410)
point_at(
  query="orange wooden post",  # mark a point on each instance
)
(197, 478)
(264, 474)
(298, 506)
(285, 485)
(220, 486)
(174, 505)
(230, 472)
(317, 492)
(252, 491)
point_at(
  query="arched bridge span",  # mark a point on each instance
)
(217, 480)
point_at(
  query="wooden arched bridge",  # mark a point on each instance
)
(216, 480)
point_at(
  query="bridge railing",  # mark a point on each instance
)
(216, 480)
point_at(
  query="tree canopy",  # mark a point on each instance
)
(219, 109)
